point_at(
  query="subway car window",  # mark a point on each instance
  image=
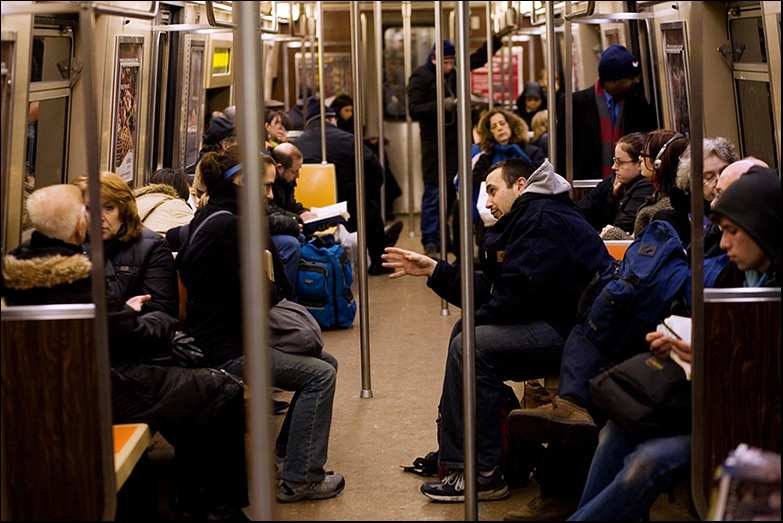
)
(757, 127)
(747, 36)
(394, 102)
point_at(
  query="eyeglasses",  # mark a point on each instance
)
(621, 162)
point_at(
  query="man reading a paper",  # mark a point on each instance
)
(288, 161)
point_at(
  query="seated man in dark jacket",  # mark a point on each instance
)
(199, 411)
(537, 260)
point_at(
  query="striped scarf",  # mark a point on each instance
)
(609, 134)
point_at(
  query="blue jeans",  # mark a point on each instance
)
(503, 352)
(304, 437)
(430, 213)
(289, 249)
(626, 477)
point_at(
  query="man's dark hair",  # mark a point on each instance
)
(513, 169)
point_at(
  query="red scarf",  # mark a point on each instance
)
(609, 136)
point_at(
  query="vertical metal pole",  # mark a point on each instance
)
(407, 68)
(321, 80)
(501, 73)
(253, 231)
(551, 64)
(466, 259)
(97, 276)
(379, 75)
(286, 75)
(490, 53)
(509, 48)
(364, 297)
(442, 174)
(696, 67)
(568, 74)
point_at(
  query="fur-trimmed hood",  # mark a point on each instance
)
(45, 271)
(156, 188)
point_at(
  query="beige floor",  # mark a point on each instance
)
(372, 438)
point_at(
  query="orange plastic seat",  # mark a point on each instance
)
(317, 185)
(617, 248)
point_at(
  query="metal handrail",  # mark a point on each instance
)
(588, 11)
(210, 9)
(9, 8)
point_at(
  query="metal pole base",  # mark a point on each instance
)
(366, 393)
(445, 312)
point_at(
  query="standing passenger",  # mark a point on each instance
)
(340, 151)
(423, 108)
(603, 113)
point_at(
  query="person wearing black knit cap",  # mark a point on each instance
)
(422, 102)
(748, 213)
(605, 111)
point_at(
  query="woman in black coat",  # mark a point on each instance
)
(139, 265)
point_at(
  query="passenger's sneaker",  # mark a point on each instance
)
(452, 487)
(329, 487)
(535, 395)
(560, 421)
(543, 508)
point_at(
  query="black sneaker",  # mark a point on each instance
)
(452, 487)
(392, 233)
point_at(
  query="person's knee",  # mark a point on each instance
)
(288, 247)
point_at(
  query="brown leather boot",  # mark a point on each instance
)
(535, 395)
(543, 508)
(560, 421)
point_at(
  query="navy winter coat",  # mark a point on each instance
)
(537, 260)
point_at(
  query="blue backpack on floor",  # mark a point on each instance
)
(632, 296)
(324, 285)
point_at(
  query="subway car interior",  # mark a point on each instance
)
(131, 88)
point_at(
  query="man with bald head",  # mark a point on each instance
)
(288, 159)
(732, 173)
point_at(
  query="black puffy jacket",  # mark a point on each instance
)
(142, 266)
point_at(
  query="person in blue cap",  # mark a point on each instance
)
(423, 108)
(605, 111)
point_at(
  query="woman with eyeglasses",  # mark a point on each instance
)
(617, 198)
(659, 159)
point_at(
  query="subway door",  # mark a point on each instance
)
(162, 93)
(191, 106)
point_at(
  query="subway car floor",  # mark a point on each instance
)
(372, 438)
